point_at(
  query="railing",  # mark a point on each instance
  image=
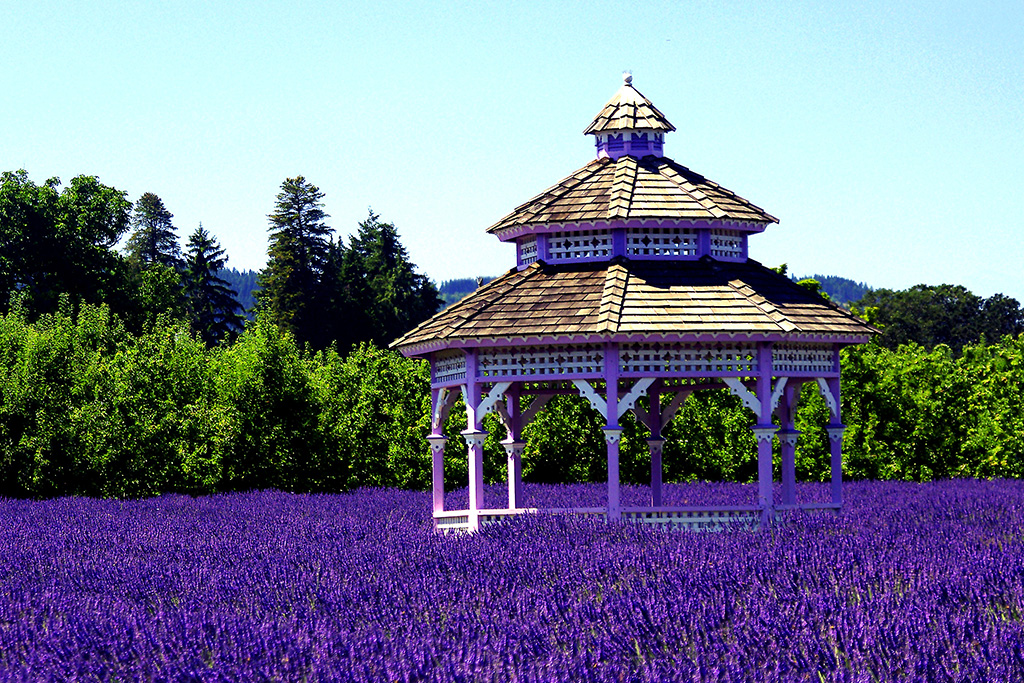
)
(668, 518)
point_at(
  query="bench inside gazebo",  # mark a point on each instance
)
(633, 280)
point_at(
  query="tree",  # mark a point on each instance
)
(941, 314)
(154, 239)
(290, 285)
(55, 242)
(212, 306)
(376, 282)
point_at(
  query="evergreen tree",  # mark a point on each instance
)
(399, 297)
(290, 285)
(212, 304)
(153, 239)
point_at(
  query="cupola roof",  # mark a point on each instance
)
(629, 110)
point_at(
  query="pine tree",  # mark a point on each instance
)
(153, 238)
(290, 285)
(212, 304)
(377, 267)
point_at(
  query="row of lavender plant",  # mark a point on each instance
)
(911, 583)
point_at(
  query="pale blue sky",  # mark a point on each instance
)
(887, 137)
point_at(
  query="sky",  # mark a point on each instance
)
(887, 137)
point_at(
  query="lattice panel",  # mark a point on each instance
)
(581, 244)
(449, 366)
(528, 251)
(726, 244)
(539, 361)
(661, 242)
(810, 358)
(695, 359)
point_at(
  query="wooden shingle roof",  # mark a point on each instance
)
(641, 298)
(628, 188)
(629, 110)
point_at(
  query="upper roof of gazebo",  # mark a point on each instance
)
(630, 189)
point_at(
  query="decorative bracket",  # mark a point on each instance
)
(588, 392)
(496, 393)
(527, 415)
(445, 402)
(639, 389)
(826, 394)
(514, 449)
(780, 387)
(673, 407)
(764, 433)
(835, 434)
(437, 443)
(737, 388)
(474, 439)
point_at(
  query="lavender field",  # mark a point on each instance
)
(911, 583)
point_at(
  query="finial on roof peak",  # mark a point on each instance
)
(627, 77)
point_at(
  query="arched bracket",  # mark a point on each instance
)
(535, 406)
(737, 388)
(780, 387)
(826, 394)
(489, 401)
(639, 389)
(443, 406)
(588, 392)
(672, 408)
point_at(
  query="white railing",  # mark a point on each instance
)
(449, 366)
(810, 358)
(661, 242)
(579, 245)
(539, 361)
(643, 357)
(727, 244)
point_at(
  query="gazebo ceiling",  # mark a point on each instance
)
(644, 298)
(628, 188)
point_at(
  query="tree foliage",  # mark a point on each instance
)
(291, 284)
(212, 306)
(154, 239)
(943, 314)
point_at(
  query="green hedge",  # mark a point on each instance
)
(88, 409)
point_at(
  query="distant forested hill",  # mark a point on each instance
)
(840, 289)
(244, 284)
(453, 290)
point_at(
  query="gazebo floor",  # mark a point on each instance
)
(666, 518)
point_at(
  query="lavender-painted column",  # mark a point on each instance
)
(787, 443)
(763, 431)
(656, 446)
(514, 446)
(437, 443)
(475, 442)
(765, 478)
(612, 436)
(514, 450)
(612, 433)
(835, 437)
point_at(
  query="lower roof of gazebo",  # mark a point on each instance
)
(766, 377)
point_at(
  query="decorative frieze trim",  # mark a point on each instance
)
(515, 231)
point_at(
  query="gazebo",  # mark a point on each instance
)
(632, 279)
